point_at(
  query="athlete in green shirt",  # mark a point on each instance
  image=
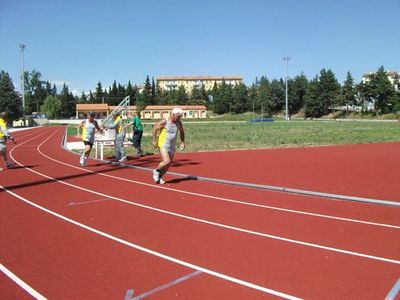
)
(137, 132)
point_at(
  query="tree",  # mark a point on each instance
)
(380, 90)
(277, 88)
(182, 97)
(147, 92)
(10, 101)
(83, 98)
(51, 106)
(99, 95)
(132, 92)
(312, 104)
(263, 98)
(35, 91)
(222, 98)
(348, 92)
(68, 102)
(239, 98)
(297, 91)
(153, 91)
(195, 96)
(113, 94)
(324, 91)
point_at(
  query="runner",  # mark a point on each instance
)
(137, 132)
(119, 136)
(4, 136)
(89, 128)
(168, 129)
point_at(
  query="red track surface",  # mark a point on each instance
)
(246, 243)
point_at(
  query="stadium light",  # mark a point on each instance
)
(286, 59)
(22, 47)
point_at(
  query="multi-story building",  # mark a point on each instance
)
(393, 77)
(168, 83)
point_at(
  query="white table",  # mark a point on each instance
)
(101, 143)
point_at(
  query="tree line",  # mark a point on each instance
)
(315, 97)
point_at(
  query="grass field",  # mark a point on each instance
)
(211, 136)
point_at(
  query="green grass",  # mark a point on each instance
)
(203, 136)
(227, 136)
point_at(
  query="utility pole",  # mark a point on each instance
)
(286, 59)
(22, 48)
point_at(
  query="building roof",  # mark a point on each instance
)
(195, 78)
(166, 107)
(170, 107)
(92, 107)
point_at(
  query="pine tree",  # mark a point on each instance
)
(147, 92)
(277, 88)
(380, 90)
(263, 98)
(348, 92)
(297, 91)
(182, 97)
(324, 92)
(153, 91)
(240, 98)
(10, 101)
(99, 96)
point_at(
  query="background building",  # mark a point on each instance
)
(168, 83)
(393, 77)
(150, 112)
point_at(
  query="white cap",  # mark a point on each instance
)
(177, 111)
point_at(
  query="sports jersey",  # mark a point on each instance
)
(168, 135)
(3, 130)
(88, 131)
(137, 124)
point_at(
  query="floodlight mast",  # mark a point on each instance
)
(22, 47)
(286, 59)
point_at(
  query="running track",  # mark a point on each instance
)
(108, 232)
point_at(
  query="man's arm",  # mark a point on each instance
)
(79, 127)
(96, 125)
(182, 135)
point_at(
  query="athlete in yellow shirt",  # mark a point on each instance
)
(4, 136)
(168, 129)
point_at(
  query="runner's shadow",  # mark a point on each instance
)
(177, 180)
(24, 167)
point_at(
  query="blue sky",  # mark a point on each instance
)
(82, 42)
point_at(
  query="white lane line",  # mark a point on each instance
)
(155, 253)
(394, 291)
(318, 246)
(219, 198)
(21, 283)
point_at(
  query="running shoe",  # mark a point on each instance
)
(82, 161)
(156, 176)
(123, 159)
(9, 165)
(162, 181)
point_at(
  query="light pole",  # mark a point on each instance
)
(22, 47)
(286, 59)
